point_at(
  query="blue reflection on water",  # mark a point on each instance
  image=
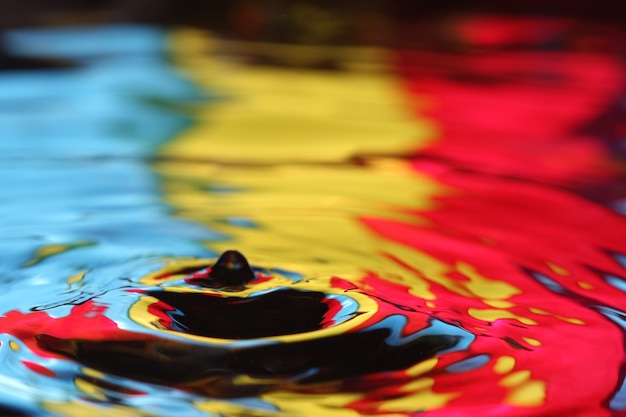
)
(74, 143)
(100, 108)
(75, 146)
(53, 122)
(469, 364)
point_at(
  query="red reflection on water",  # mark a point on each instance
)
(86, 321)
(515, 113)
(40, 369)
(510, 136)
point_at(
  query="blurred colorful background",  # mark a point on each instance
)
(431, 199)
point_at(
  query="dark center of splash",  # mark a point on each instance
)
(281, 312)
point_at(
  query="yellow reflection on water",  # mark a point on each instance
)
(287, 164)
(47, 251)
(281, 115)
(303, 216)
(290, 404)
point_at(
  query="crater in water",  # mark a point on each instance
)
(281, 312)
(204, 340)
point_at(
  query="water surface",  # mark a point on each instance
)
(429, 233)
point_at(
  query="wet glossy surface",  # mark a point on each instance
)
(426, 232)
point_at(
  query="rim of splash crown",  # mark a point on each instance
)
(355, 310)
